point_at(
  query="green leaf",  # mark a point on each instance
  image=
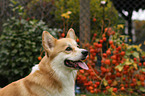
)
(142, 89)
(14, 2)
(135, 54)
(14, 51)
(135, 65)
(110, 89)
(16, 71)
(128, 62)
(119, 67)
(105, 82)
(143, 69)
(21, 53)
(138, 83)
(128, 53)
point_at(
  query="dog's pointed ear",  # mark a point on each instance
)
(71, 34)
(48, 42)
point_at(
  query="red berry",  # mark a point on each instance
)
(94, 54)
(94, 19)
(114, 89)
(113, 32)
(123, 44)
(143, 57)
(113, 57)
(134, 59)
(143, 83)
(143, 63)
(104, 39)
(134, 80)
(90, 88)
(119, 48)
(101, 41)
(95, 86)
(100, 45)
(104, 55)
(97, 83)
(39, 58)
(126, 85)
(108, 52)
(95, 44)
(122, 88)
(90, 82)
(62, 35)
(95, 34)
(107, 70)
(81, 71)
(92, 91)
(107, 87)
(140, 64)
(132, 85)
(109, 81)
(78, 40)
(107, 61)
(103, 69)
(122, 53)
(118, 74)
(114, 61)
(110, 42)
(92, 50)
(141, 78)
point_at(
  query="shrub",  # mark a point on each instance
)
(121, 68)
(20, 45)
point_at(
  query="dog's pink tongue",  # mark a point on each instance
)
(83, 65)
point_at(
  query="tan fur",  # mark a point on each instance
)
(46, 81)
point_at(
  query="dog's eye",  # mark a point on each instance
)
(68, 49)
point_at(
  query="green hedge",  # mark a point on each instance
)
(20, 46)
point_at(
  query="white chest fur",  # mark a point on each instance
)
(68, 83)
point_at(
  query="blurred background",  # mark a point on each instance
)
(23, 21)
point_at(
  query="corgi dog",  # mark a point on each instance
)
(56, 73)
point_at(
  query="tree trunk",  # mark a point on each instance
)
(130, 25)
(84, 21)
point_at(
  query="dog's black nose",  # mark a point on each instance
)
(85, 53)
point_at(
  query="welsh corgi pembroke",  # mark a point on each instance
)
(56, 73)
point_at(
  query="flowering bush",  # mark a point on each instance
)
(121, 68)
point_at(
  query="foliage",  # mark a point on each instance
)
(95, 9)
(42, 10)
(109, 11)
(20, 45)
(101, 94)
(52, 11)
(118, 69)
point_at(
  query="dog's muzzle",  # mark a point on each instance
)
(78, 64)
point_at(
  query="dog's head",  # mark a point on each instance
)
(64, 53)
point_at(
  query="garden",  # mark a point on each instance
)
(116, 64)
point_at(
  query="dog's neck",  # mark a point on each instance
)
(64, 78)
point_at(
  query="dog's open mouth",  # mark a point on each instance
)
(76, 64)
